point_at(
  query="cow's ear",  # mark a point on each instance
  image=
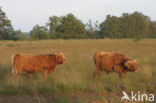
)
(127, 64)
(56, 55)
(136, 61)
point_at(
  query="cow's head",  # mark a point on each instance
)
(59, 57)
(132, 65)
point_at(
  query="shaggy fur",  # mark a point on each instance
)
(36, 63)
(113, 62)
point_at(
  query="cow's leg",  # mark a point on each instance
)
(45, 73)
(29, 74)
(121, 75)
(97, 71)
(100, 72)
(17, 71)
(50, 71)
(17, 74)
(14, 73)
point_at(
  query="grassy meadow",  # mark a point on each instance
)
(73, 82)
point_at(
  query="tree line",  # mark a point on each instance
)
(130, 25)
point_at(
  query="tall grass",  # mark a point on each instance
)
(76, 74)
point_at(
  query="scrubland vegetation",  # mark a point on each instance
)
(134, 25)
(73, 82)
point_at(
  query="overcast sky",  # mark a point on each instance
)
(24, 14)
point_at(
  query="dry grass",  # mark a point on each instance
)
(76, 74)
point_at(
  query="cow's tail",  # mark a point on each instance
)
(95, 61)
(95, 57)
(13, 64)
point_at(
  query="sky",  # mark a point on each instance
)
(25, 14)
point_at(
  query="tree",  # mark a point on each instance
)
(151, 29)
(19, 35)
(110, 27)
(71, 27)
(134, 25)
(127, 26)
(6, 29)
(66, 27)
(39, 32)
(53, 23)
(92, 30)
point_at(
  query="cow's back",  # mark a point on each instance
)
(104, 61)
(30, 63)
(107, 62)
(120, 58)
(113, 62)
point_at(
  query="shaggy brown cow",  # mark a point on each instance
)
(113, 62)
(36, 63)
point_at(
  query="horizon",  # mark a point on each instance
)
(24, 15)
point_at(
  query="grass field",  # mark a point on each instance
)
(73, 82)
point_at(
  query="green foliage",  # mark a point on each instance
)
(110, 28)
(39, 32)
(77, 74)
(6, 29)
(53, 23)
(151, 29)
(19, 35)
(92, 30)
(134, 25)
(66, 27)
(127, 26)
